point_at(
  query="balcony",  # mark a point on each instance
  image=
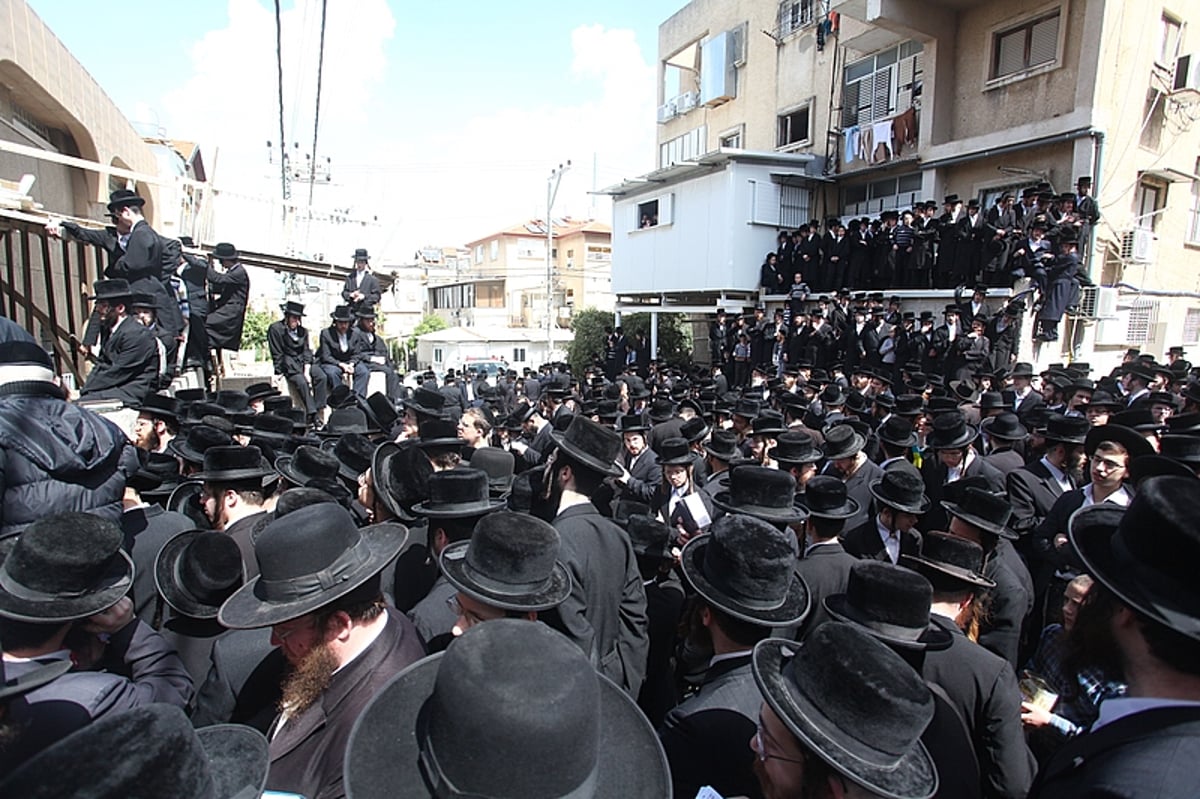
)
(677, 106)
(862, 147)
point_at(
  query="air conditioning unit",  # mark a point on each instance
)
(1187, 73)
(667, 111)
(1097, 302)
(687, 101)
(1137, 246)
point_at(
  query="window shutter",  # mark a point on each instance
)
(850, 104)
(664, 209)
(1043, 41)
(881, 94)
(1010, 53)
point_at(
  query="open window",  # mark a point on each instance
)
(652, 212)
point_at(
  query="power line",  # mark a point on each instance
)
(312, 183)
(279, 67)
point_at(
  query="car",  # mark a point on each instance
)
(491, 368)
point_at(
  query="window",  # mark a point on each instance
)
(651, 212)
(518, 354)
(794, 15)
(1154, 118)
(731, 140)
(1193, 228)
(437, 355)
(1151, 199)
(1143, 316)
(1168, 42)
(683, 148)
(647, 214)
(882, 85)
(494, 250)
(794, 129)
(1191, 326)
(795, 203)
(489, 295)
(1030, 44)
(532, 249)
(478, 253)
(598, 253)
(887, 194)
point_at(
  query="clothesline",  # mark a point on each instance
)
(880, 141)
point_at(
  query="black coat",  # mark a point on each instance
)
(664, 605)
(863, 542)
(244, 682)
(605, 613)
(1062, 289)
(934, 472)
(1007, 604)
(826, 570)
(1032, 491)
(127, 368)
(645, 476)
(289, 355)
(231, 292)
(308, 752)
(369, 288)
(140, 263)
(1151, 754)
(146, 530)
(707, 737)
(984, 691)
(329, 349)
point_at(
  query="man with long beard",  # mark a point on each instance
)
(319, 592)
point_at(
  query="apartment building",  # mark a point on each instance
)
(772, 113)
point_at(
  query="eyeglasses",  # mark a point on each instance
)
(283, 635)
(458, 610)
(1106, 463)
(761, 748)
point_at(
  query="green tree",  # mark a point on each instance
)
(588, 345)
(254, 331)
(427, 325)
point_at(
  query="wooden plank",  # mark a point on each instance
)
(12, 275)
(51, 303)
(27, 278)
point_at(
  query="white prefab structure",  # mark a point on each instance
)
(704, 226)
(517, 346)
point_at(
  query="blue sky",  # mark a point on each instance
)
(446, 115)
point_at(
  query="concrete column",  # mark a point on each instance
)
(653, 335)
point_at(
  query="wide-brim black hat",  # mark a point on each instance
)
(899, 503)
(185, 499)
(931, 638)
(171, 583)
(381, 463)
(987, 525)
(12, 687)
(457, 510)
(835, 450)
(26, 603)
(1010, 429)
(1102, 534)
(556, 588)
(928, 567)
(1134, 442)
(845, 510)
(913, 776)
(569, 442)
(770, 513)
(249, 609)
(384, 754)
(791, 610)
(1149, 466)
(148, 750)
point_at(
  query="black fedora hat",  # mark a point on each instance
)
(124, 198)
(897, 431)
(161, 406)
(511, 710)
(353, 452)
(694, 429)
(400, 474)
(187, 499)
(843, 441)
(381, 413)
(650, 537)
(292, 308)
(438, 432)
(761, 492)
(277, 403)
(425, 401)
(1004, 426)
(992, 400)
(746, 407)
(1134, 442)
(456, 494)
(722, 445)
(892, 604)
(308, 559)
(661, 409)
(511, 562)
(631, 423)
(902, 489)
(273, 427)
(197, 570)
(344, 420)
(1180, 448)
(360, 254)
(232, 400)
(342, 313)
(306, 464)
(983, 509)
(64, 567)
(675, 451)
(591, 444)
(825, 497)
(1149, 466)
(1146, 553)
(951, 431)
(747, 568)
(1022, 369)
(115, 290)
(149, 750)
(1065, 429)
(909, 405)
(165, 468)
(258, 391)
(853, 702)
(768, 423)
(949, 561)
(224, 251)
(795, 446)
(232, 464)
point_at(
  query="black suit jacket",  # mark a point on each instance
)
(863, 542)
(1148, 754)
(244, 681)
(308, 752)
(984, 691)
(826, 570)
(146, 530)
(369, 288)
(329, 349)
(664, 604)
(1008, 603)
(706, 738)
(128, 365)
(934, 472)
(288, 355)
(1032, 491)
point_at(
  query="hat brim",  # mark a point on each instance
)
(931, 638)
(908, 442)
(788, 515)
(108, 590)
(1159, 466)
(586, 458)
(179, 501)
(32, 680)
(238, 757)
(969, 578)
(383, 753)
(968, 436)
(246, 609)
(954, 509)
(891, 502)
(457, 510)
(1134, 442)
(792, 610)
(180, 447)
(852, 447)
(914, 777)
(453, 562)
(166, 578)
(1091, 531)
(846, 510)
(986, 427)
(380, 461)
(812, 456)
(430, 443)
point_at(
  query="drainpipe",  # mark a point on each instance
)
(1078, 331)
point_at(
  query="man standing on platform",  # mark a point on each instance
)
(292, 357)
(361, 291)
(230, 286)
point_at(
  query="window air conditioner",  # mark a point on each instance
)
(1187, 73)
(1137, 245)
